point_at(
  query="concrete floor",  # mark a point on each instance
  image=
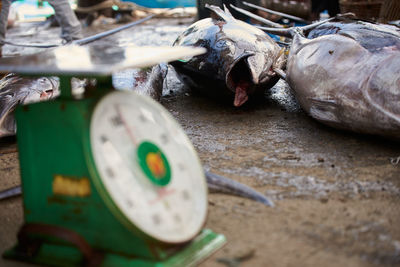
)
(337, 194)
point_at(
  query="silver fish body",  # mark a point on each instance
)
(16, 90)
(239, 62)
(347, 75)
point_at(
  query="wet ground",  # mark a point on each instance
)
(337, 194)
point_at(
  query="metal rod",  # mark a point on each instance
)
(95, 37)
(289, 32)
(251, 15)
(276, 12)
(31, 45)
(89, 39)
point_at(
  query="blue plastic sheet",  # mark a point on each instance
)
(164, 3)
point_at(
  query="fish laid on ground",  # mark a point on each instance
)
(349, 79)
(240, 60)
(150, 81)
(16, 90)
(346, 74)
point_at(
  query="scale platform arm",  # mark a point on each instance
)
(93, 61)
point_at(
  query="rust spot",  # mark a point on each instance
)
(330, 52)
(26, 108)
(77, 211)
(62, 106)
(73, 218)
(56, 200)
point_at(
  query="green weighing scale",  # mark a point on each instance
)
(110, 178)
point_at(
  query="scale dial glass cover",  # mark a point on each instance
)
(148, 167)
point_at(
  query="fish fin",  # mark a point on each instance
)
(7, 122)
(156, 81)
(280, 73)
(218, 183)
(226, 10)
(279, 63)
(220, 13)
(298, 41)
(9, 99)
(324, 110)
(256, 68)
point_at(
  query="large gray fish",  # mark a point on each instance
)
(349, 79)
(346, 74)
(240, 61)
(16, 90)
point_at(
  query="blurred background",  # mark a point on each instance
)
(375, 10)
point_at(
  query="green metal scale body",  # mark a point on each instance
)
(109, 179)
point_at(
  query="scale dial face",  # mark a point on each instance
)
(148, 167)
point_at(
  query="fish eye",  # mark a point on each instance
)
(220, 43)
(225, 44)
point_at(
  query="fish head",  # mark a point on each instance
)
(250, 57)
(240, 58)
(242, 76)
(16, 90)
(40, 89)
(252, 72)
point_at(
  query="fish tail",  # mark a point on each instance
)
(156, 81)
(226, 16)
(226, 10)
(7, 122)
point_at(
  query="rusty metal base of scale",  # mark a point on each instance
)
(56, 246)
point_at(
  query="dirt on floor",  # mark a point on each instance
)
(336, 194)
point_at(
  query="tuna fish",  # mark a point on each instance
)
(350, 79)
(241, 60)
(16, 90)
(346, 74)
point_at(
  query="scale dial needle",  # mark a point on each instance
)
(126, 126)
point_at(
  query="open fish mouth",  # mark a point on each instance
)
(241, 79)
